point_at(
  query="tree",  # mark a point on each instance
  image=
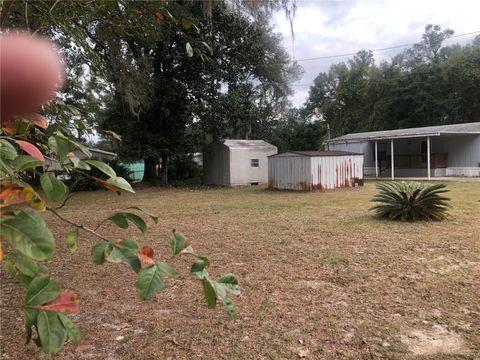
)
(425, 85)
(26, 140)
(234, 88)
(296, 132)
(428, 49)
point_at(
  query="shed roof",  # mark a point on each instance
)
(247, 144)
(455, 129)
(318, 153)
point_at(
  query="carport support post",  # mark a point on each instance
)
(428, 157)
(376, 159)
(392, 160)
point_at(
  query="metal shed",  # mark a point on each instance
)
(237, 162)
(315, 170)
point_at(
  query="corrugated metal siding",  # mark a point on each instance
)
(289, 172)
(316, 172)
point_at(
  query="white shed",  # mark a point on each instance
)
(237, 162)
(315, 170)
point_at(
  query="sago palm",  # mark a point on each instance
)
(411, 201)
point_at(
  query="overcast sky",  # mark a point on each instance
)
(324, 28)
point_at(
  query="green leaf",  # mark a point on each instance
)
(30, 319)
(29, 234)
(125, 255)
(167, 269)
(25, 162)
(72, 330)
(198, 266)
(42, 290)
(230, 306)
(200, 274)
(149, 282)
(210, 294)
(51, 331)
(54, 189)
(24, 280)
(189, 49)
(228, 279)
(208, 48)
(72, 237)
(120, 183)
(6, 169)
(137, 220)
(7, 150)
(27, 266)
(106, 169)
(152, 216)
(186, 23)
(98, 253)
(230, 283)
(120, 220)
(177, 243)
(60, 145)
(129, 244)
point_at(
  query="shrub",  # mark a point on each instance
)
(411, 201)
(184, 170)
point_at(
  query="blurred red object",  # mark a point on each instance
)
(31, 71)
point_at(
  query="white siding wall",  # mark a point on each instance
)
(241, 171)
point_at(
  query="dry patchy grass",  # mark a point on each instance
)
(318, 274)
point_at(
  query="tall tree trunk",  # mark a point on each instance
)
(164, 169)
(151, 173)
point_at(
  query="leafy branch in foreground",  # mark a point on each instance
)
(411, 201)
(31, 149)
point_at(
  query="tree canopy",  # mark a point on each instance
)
(425, 85)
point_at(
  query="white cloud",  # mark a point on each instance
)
(325, 28)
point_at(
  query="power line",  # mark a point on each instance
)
(381, 49)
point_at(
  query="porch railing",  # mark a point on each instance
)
(419, 161)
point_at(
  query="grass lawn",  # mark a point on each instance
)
(319, 276)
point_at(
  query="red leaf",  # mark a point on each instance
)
(12, 194)
(36, 119)
(107, 185)
(30, 149)
(9, 127)
(67, 301)
(146, 256)
(159, 16)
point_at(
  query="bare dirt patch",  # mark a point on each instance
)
(319, 276)
(436, 340)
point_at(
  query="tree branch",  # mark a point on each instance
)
(80, 226)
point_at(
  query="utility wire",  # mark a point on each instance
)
(381, 49)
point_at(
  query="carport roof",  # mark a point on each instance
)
(317, 153)
(456, 129)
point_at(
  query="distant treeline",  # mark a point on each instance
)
(425, 85)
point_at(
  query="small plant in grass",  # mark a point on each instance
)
(411, 201)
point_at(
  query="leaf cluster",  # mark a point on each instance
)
(411, 201)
